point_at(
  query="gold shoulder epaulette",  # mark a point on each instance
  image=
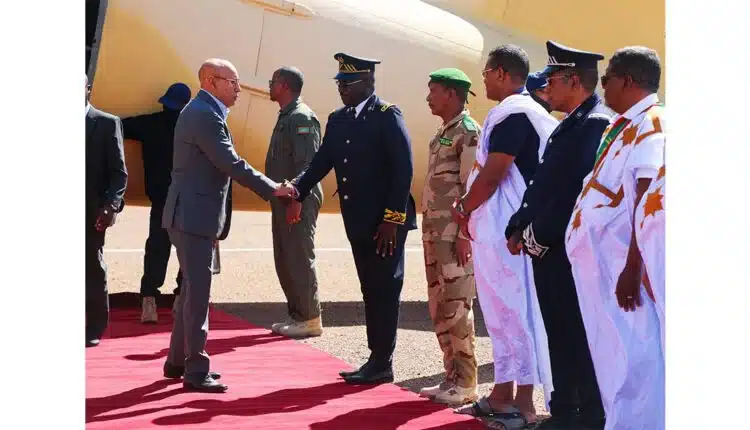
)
(385, 106)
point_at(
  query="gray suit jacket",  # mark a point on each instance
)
(204, 160)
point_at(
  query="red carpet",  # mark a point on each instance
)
(274, 383)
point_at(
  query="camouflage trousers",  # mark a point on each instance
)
(450, 292)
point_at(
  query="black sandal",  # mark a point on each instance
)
(479, 409)
(510, 419)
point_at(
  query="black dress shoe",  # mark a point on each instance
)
(205, 385)
(345, 373)
(369, 376)
(176, 372)
(588, 423)
(554, 423)
(92, 342)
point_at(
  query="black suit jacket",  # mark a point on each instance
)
(371, 155)
(106, 175)
(551, 195)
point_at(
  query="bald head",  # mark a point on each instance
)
(214, 66)
(220, 78)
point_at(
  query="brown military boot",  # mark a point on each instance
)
(309, 328)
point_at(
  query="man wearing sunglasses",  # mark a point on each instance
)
(538, 230)
(618, 309)
(367, 144)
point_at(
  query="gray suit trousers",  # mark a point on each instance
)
(187, 346)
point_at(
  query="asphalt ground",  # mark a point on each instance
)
(248, 287)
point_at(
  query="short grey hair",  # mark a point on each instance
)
(642, 64)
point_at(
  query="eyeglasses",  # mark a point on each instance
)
(485, 71)
(235, 82)
(346, 84)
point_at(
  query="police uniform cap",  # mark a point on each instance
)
(536, 81)
(561, 57)
(350, 66)
(452, 77)
(176, 97)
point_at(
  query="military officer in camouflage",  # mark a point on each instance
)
(447, 250)
(367, 145)
(294, 142)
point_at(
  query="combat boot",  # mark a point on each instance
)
(433, 391)
(457, 396)
(309, 328)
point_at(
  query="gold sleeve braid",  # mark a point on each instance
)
(394, 217)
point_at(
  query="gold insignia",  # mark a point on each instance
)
(394, 217)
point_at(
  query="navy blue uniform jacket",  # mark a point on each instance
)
(551, 195)
(372, 157)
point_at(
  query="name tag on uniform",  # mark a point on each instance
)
(445, 141)
(303, 130)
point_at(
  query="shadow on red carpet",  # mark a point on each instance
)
(274, 383)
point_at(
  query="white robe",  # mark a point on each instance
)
(505, 282)
(650, 235)
(625, 346)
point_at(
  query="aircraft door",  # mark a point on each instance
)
(255, 110)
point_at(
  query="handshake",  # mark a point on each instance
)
(287, 194)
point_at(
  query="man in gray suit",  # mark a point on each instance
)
(195, 213)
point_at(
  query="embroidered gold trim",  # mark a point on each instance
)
(394, 217)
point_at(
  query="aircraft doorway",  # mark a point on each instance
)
(95, 12)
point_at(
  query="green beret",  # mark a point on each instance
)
(453, 77)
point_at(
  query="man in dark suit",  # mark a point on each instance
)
(538, 228)
(195, 213)
(367, 144)
(106, 179)
(155, 132)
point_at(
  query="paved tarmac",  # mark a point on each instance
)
(248, 287)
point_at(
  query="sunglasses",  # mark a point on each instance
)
(346, 84)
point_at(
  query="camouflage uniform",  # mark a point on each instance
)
(450, 287)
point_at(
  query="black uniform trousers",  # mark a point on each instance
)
(157, 252)
(576, 389)
(381, 280)
(97, 296)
